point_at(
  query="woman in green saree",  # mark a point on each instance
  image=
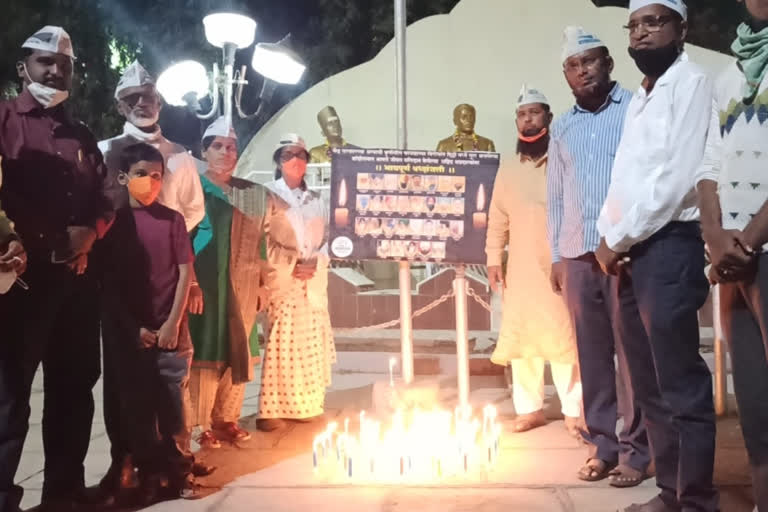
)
(227, 247)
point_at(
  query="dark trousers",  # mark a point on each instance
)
(667, 272)
(144, 409)
(605, 318)
(744, 312)
(55, 322)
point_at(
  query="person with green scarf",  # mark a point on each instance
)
(733, 197)
(227, 246)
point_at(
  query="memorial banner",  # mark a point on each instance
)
(389, 204)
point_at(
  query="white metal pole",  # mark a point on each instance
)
(462, 334)
(404, 274)
(229, 51)
(406, 326)
(721, 374)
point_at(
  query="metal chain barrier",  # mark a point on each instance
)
(386, 325)
(479, 299)
(426, 309)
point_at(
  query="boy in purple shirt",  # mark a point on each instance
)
(148, 256)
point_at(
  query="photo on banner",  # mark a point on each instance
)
(428, 206)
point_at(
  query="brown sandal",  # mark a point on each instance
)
(594, 472)
(625, 476)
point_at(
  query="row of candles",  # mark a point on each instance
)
(417, 443)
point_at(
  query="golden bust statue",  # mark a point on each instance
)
(330, 124)
(465, 138)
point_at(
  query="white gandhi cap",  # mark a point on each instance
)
(51, 39)
(577, 40)
(529, 96)
(676, 5)
(221, 127)
(134, 76)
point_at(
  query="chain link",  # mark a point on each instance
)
(479, 299)
(386, 325)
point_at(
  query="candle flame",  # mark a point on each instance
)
(481, 198)
(343, 193)
(412, 443)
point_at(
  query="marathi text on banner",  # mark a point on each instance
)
(391, 204)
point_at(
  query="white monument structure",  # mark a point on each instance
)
(480, 54)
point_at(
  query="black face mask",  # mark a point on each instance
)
(654, 62)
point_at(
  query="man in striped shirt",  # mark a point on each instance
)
(582, 148)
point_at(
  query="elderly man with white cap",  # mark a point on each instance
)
(300, 349)
(605, 316)
(140, 104)
(535, 326)
(53, 177)
(651, 237)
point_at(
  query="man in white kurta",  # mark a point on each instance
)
(535, 326)
(138, 101)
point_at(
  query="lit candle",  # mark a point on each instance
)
(480, 218)
(341, 215)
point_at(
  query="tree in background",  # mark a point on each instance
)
(331, 35)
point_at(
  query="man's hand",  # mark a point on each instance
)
(14, 258)
(195, 302)
(496, 278)
(557, 277)
(728, 252)
(148, 338)
(81, 239)
(607, 258)
(79, 264)
(168, 336)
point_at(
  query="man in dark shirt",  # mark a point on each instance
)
(53, 190)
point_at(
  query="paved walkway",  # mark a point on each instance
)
(273, 472)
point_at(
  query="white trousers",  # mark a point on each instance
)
(528, 386)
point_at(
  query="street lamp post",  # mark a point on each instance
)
(185, 82)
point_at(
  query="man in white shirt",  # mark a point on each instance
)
(651, 238)
(140, 104)
(733, 196)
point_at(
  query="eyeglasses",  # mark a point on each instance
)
(652, 24)
(286, 156)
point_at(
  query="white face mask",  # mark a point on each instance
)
(143, 122)
(48, 97)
